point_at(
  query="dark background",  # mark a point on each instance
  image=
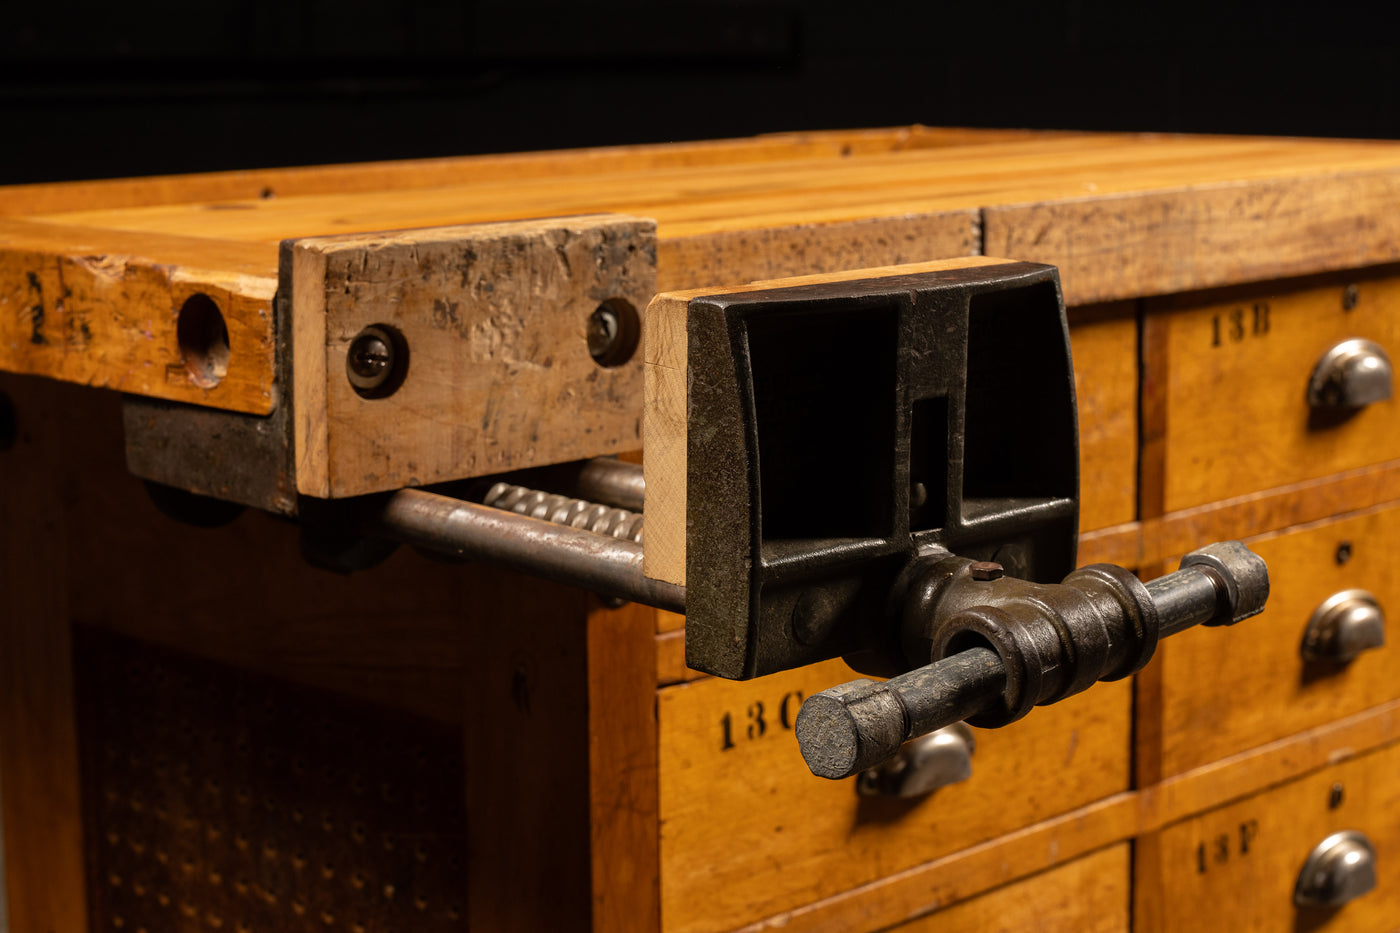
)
(92, 91)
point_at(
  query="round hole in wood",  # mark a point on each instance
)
(203, 338)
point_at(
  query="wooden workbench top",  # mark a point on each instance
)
(92, 274)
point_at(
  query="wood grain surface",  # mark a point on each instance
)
(725, 861)
(1233, 392)
(1203, 231)
(39, 783)
(624, 815)
(921, 888)
(1088, 895)
(1123, 215)
(1235, 867)
(100, 308)
(498, 374)
(1103, 342)
(430, 173)
(1222, 691)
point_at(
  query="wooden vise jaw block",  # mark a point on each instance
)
(499, 374)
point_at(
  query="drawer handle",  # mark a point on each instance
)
(922, 766)
(1340, 869)
(1351, 374)
(1346, 624)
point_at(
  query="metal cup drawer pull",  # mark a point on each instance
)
(941, 758)
(1339, 870)
(1351, 374)
(1344, 625)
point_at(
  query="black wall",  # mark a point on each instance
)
(113, 90)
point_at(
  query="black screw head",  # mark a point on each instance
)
(1343, 552)
(374, 362)
(603, 331)
(614, 333)
(1335, 796)
(1351, 297)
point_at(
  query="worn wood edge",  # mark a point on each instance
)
(1276, 227)
(512, 379)
(53, 288)
(925, 888)
(310, 432)
(698, 260)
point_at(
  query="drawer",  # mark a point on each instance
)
(1088, 895)
(747, 832)
(1235, 868)
(1217, 693)
(1103, 340)
(1226, 378)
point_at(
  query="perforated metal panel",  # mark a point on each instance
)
(218, 799)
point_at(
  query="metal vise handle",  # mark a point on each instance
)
(1026, 645)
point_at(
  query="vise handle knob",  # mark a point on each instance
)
(1002, 645)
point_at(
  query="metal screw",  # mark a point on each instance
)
(1351, 296)
(370, 362)
(986, 570)
(1343, 552)
(1334, 797)
(604, 329)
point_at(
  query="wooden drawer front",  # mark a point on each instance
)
(1226, 386)
(1088, 895)
(1103, 341)
(1221, 692)
(1235, 868)
(747, 832)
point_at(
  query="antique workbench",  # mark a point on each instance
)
(260, 719)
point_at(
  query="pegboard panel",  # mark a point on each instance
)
(218, 799)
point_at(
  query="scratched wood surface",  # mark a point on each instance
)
(1167, 213)
(498, 374)
(101, 308)
(726, 744)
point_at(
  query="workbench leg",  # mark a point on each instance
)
(39, 780)
(560, 735)
(624, 809)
